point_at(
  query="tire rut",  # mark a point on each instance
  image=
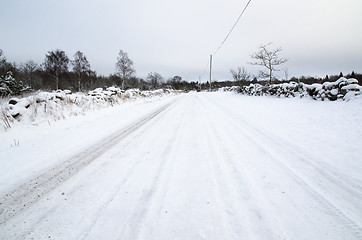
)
(138, 217)
(340, 216)
(287, 148)
(28, 193)
(265, 224)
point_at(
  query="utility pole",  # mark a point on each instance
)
(210, 69)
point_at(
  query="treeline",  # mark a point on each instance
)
(327, 78)
(58, 71)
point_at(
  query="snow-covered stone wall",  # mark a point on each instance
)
(45, 106)
(343, 88)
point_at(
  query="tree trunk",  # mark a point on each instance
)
(56, 81)
(79, 83)
(270, 75)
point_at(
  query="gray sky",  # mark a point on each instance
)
(176, 37)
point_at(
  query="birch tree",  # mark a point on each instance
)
(154, 78)
(81, 68)
(124, 67)
(56, 63)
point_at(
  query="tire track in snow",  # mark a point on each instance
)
(92, 217)
(138, 217)
(234, 220)
(19, 199)
(287, 148)
(325, 204)
(261, 224)
(347, 189)
(228, 219)
(151, 218)
(110, 198)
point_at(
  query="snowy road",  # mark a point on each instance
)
(196, 166)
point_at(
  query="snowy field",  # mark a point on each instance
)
(191, 166)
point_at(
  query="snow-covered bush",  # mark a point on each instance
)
(343, 88)
(6, 120)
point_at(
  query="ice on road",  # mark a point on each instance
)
(194, 166)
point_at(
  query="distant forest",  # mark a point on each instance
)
(59, 72)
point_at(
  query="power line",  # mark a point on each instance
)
(241, 14)
(227, 36)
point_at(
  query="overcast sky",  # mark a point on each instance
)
(176, 37)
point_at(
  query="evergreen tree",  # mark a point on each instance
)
(5, 67)
(8, 85)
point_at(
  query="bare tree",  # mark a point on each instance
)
(81, 67)
(124, 67)
(29, 66)
(177, 79)
(154, 78)
(28, 69)
(56, 62)
(240, 74)
(268, 59)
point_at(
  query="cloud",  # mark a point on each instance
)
(176, 37)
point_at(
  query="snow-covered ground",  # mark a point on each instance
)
(192, 166)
